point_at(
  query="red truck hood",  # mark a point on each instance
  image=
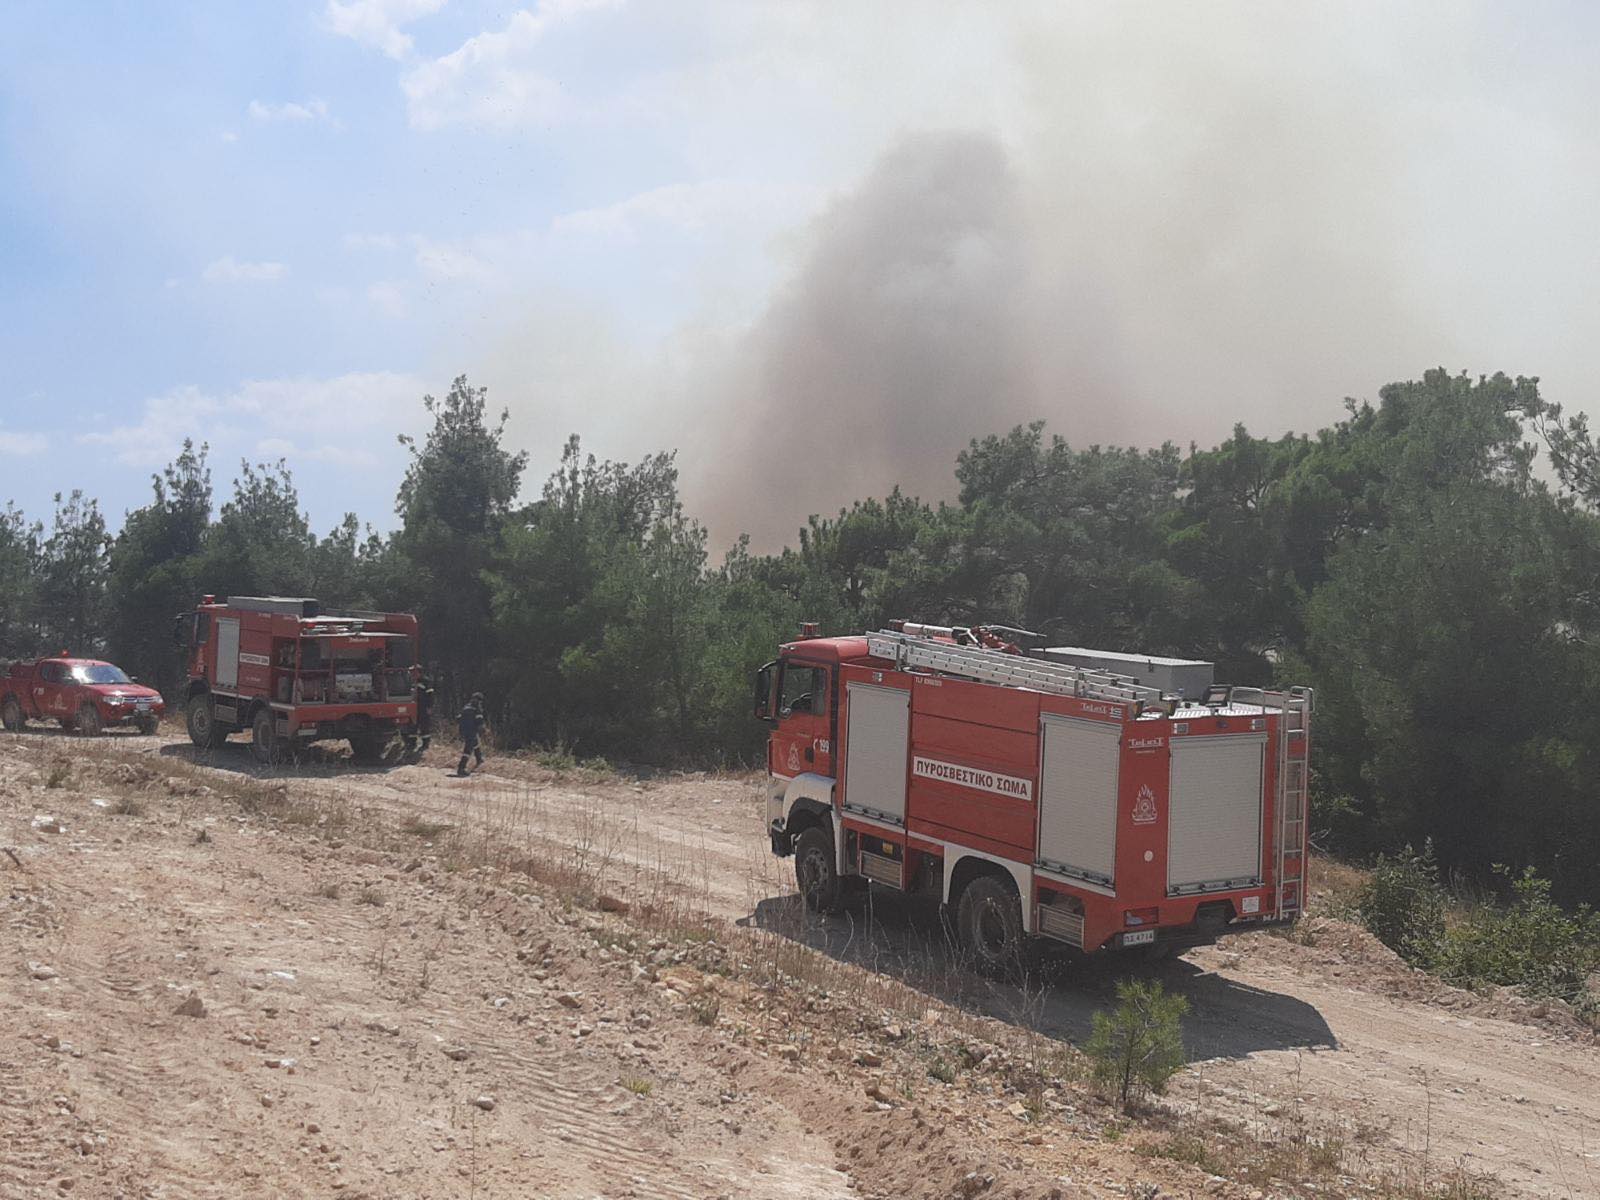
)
(133, 691)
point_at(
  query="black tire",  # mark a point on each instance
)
(369, 749)
(200, 717)
(146, 725)
(989, 923)
(816, 873)
(11, 715)
(264, 738)
(88, 722)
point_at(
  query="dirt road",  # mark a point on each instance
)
(1328, 1028)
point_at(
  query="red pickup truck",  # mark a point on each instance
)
(82, 693)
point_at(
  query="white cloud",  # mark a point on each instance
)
(271, 417)
(450, 260)
(494, 80)
(370, 241)
(377, 23)
(683, 206)
(389, 298)
(21, 444)
(228, 269)
(310, 110)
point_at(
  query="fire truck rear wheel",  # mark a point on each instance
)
(89, 720)
(989, 920)
(11, 715)
(815, 872)
(264, 738)
(369, 749)
(202, 722)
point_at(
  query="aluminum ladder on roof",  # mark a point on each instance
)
(1011, 670)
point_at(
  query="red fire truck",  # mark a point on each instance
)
(1101, 800)
(292, 672)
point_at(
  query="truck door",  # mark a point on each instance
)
(1079, 763)
(803, 739)
(1214, 826)
(228, 652)
(50, 685)
(877, 737)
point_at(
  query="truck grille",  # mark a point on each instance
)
(880, 869)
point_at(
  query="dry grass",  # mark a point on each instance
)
(418, 826)
(1333, 887)
(1321, 1156)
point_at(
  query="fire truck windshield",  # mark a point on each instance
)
(99, 673)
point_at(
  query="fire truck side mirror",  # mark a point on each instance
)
(765, 678)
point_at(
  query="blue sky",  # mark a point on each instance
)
(842, 237)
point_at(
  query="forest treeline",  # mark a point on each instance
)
(1413, 561)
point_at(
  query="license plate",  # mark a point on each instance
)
(1139, 937)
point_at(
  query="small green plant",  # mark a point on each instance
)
(639, 1087)
(1403, 904)
(1531, 944)
(372, 896)
(1137, 1046)
(58, 775)
(943, 1070)
(329, 890)
(127, 806)
(557, 758)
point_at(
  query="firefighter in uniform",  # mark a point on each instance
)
(422, 732)
(471, 724)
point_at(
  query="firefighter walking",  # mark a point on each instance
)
(471, 724)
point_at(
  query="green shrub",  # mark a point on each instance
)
(1531, 944)
(1137, 1046)
(1403, 904)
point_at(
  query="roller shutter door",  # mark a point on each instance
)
(878, 731)
(1214, 813)
(1078, 797)
(228, 652)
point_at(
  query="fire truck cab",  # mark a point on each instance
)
(1101, 800)
(292, 672)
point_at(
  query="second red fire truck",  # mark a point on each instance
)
(291, 672)
(1101, 800)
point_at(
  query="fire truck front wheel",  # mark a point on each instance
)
(814, 870)
(989, 923)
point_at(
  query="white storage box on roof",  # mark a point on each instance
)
(1185, 676)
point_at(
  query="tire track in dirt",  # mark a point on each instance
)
(22, 1167)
